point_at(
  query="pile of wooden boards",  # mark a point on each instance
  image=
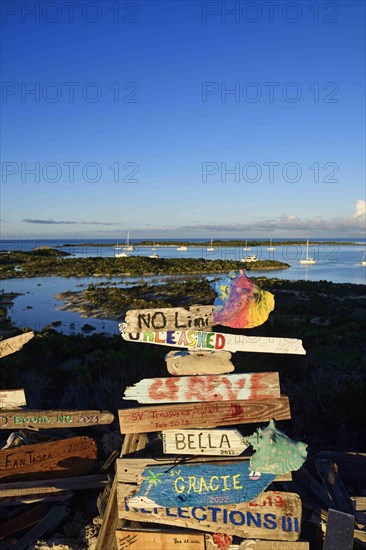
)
(38, 472)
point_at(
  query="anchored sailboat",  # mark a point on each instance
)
(307, 260)
(128, 246)
(246, 247)
(270, 248)
(210, 248)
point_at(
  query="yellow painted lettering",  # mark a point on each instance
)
(203, 485)
(191, 484)
(192, 337)
(225, 488)
(212, 488)
(176, 487)
(236, 482)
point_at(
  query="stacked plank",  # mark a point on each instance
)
(207, 487)
(36, 470)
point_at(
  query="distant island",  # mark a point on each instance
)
(215, 243)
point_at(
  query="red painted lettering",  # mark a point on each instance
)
(164, 388)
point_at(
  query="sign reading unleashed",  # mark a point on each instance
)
(185, 389)
(272, 516)
(202, 415)
(199, 485)
(204, 442)
(71, 456)
(174, 318)
(17, 419)
(196, 339)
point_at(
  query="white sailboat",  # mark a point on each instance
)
(249, 259)
(128, 246)
(270, 248)
(182, 248)
(363, 261)
(307, 260)
(153, 247)
(210, 248)
(119, 251)
(154, 255)
(246, 247)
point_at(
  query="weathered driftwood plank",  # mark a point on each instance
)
(65, 457)
(11, 345)
(141, 540)
(213, 542)
(274, 516)
(12, 399)
(130, 470)
(340, 531)
(202, 415)
(328, 472)
(195, 339)
(185, 362)
(35, 488)
(171, 318)
(212, 387)
(203, 484)
(17, 419)
(58, 496)
(106, 537)
(204, 442)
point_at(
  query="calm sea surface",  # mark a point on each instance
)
(37, 306)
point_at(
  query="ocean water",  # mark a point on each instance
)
(37, 305)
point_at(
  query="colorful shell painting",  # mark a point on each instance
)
(275, 452)
(240, 303)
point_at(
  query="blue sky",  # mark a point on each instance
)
(130, 127)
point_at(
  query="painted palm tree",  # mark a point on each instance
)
(153, 479)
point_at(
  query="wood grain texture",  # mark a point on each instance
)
(204, 442)
(190, 362)
(65, 457)
(27, 518)
(213, 387)
(11, 345)
(202, 415)
(18, 419)
(255, 544)
(59, 496)
(172, 318)
(130, 470)
(340, 531)
(273, 516)
(160, 540)
(338, 494)
(12, 399)
(201, 340)
(106, 537)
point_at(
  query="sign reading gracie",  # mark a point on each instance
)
(199, 485)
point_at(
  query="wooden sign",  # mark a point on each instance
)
(183, 362)
(12, 399)
(11, 345)
(272, 516)
(214, 387)
(161, 540)
(71, 456)
(340, 531)
(172, 318)
(203, 484)
(204, 442)
(195, 339)
(202, 415)
(129, 470)
(217, 542)
(17, 419)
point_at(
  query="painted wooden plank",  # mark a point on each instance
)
(191, 362)
(340, 531)
(204, 442)
(161, 540)
(212, 387)
(172, 318)
(45, 486)
(130, 470)
(106, 538)
(18, 419)
(217, 542)
(199, 485)
(65, 457)
(11, 345)
(202, 415)
(272, 516)
(195, 339)
(12, 399)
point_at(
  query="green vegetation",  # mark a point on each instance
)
(326, 387)
(52, 263)
(218, 242)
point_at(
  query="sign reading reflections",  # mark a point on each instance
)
(17, 419)
(196, 339)
(185, 389)
(199, 485)
(204, 442)
(273, 515)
